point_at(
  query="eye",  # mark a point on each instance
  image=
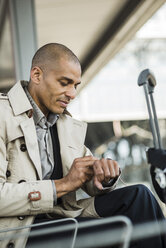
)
(63, 83)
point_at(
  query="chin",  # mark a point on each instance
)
(58, 111)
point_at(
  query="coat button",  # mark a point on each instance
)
(30, 113)
(21, 181)
(8, 173)
(3, 94)
(21, 217)
(10, 245)
(23, 147)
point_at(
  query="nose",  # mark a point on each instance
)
(71, 93)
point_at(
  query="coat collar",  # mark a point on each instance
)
(18, 99)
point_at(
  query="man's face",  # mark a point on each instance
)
(57, 86)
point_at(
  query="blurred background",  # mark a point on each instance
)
(115, 41)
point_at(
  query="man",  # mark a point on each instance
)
(43, 160)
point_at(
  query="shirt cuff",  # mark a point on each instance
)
(54, 193)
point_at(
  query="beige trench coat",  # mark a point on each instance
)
(20, 167)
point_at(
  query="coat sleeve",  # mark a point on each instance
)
(89, 187)
(16, 198)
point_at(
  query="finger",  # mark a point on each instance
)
(90, 157)
(87, 163)
(89, 174)
(106, 169)
(114, 168)
(88, 170)
(98, 184)
(86, 158)
(98, 170)
(111, 168)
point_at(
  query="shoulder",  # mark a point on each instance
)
(69, 125)
(70, 120)
(4, 101)
(5, 108)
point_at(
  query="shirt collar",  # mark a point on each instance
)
(38, 116)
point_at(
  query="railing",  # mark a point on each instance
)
(100, 238)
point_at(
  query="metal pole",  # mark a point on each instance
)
(23, 24)
(156, 121)
(151, 121)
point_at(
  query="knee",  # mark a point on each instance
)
(143, 190)
(140, 189)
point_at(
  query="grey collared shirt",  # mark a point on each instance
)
(44, 139)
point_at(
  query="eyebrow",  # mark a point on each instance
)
(69, 80)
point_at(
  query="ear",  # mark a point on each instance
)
(36, 74)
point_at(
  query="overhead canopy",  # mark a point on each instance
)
(95, 30)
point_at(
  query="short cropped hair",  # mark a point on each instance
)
(51, 53)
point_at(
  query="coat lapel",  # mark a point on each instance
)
(71, 135)
(28, 129)
(21, 105)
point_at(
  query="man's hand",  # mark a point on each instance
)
(83, 170)
(104, 170)
(80, 172)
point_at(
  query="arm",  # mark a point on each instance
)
(93, 190)
(80, 172)
(14, 199)
(90, 174)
